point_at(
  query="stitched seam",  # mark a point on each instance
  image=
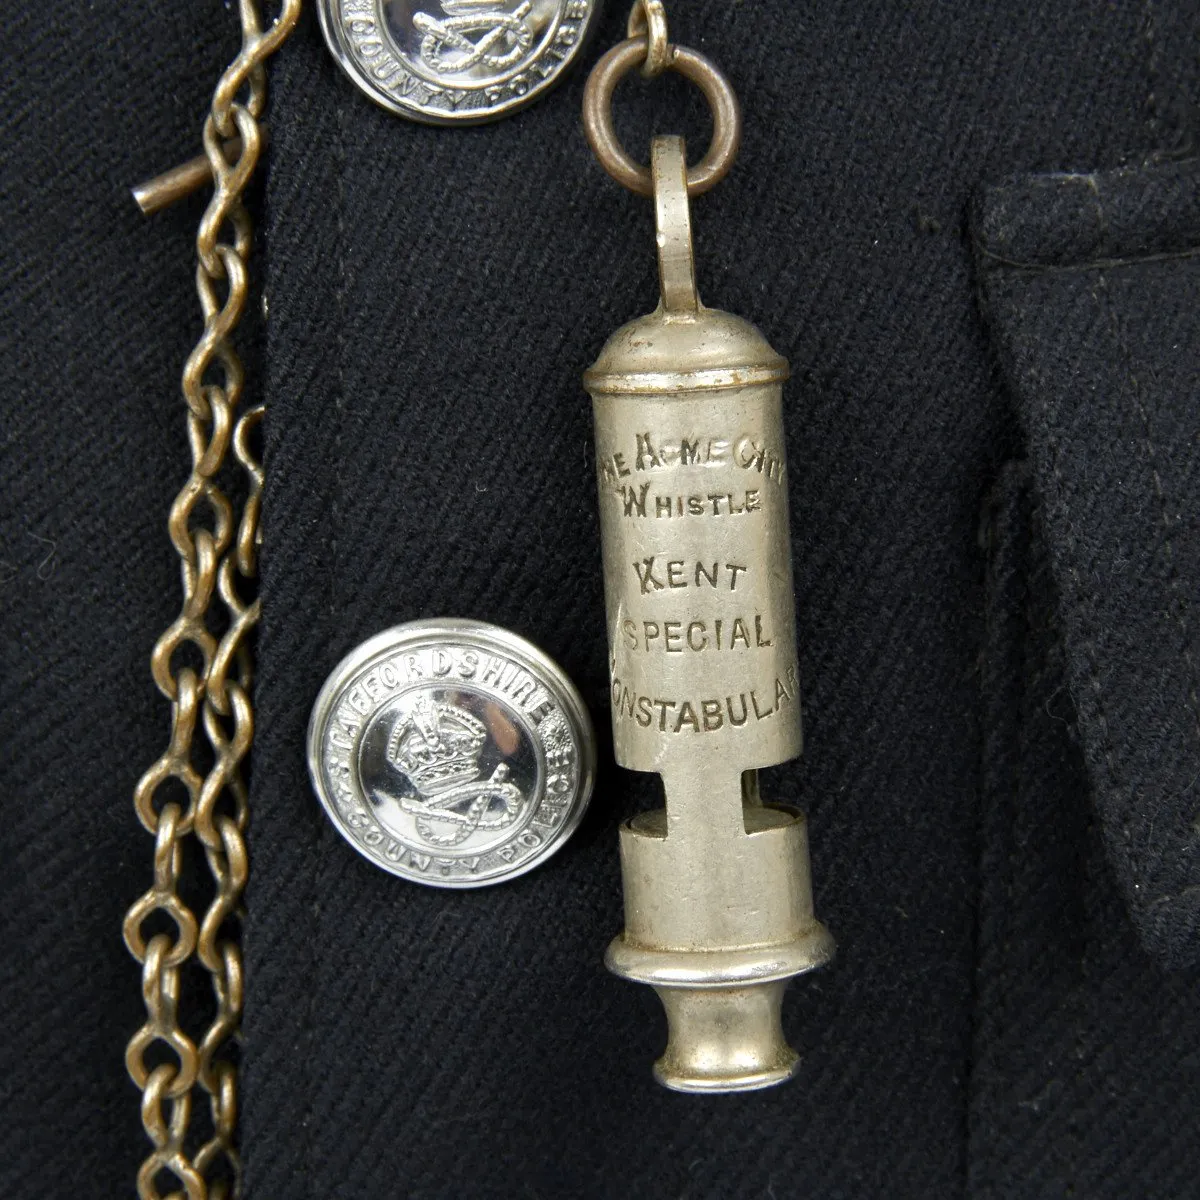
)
(1174, 582)
(1150, 31)
(1099, 264)
(981, 829)
(1089, 620)
(1184, 893)
(1101, 219)
(1087, 624)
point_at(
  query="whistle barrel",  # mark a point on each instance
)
(698, 585)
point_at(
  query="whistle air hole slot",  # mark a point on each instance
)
(650, 801)
(650, 824)
(757, 816)
(768, 816)
(751, 796)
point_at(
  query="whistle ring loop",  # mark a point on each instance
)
(693, 66)
(648, 19)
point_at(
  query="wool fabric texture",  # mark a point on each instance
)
(971, 228)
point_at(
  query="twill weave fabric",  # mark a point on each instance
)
(971, 229)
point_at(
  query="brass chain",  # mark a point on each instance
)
(217, 548)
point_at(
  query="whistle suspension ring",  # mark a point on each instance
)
(648, 19)
(647, 48)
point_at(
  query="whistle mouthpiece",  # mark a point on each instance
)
(724, 1028)
(720, 959)
(725, 1039)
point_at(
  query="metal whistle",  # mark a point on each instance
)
(701, 626)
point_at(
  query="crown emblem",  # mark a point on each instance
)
(438, 747)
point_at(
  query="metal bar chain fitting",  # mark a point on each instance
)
(216, 544)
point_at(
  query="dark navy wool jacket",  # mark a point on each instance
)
(974, 230)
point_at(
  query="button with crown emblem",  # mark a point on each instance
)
(452, 753)
(455, 62)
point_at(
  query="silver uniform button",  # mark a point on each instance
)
(450, 62)
(452, 753)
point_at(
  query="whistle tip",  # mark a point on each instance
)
(724, 1032)
(725, 1039)
(724, 1082)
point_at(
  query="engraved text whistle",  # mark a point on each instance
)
(701, 626)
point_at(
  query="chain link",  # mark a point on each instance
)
(217, 548)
